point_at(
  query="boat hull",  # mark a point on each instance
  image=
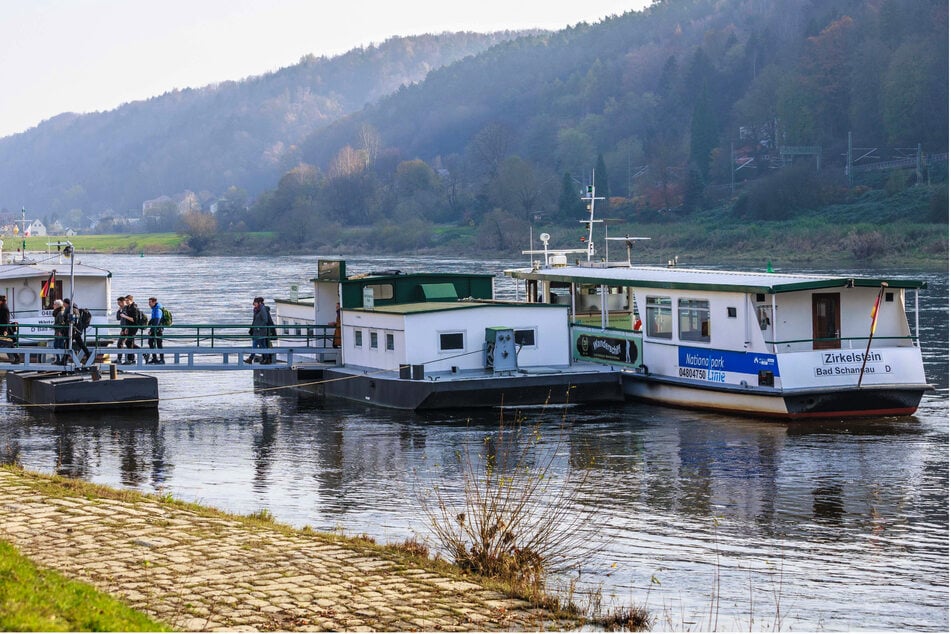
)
(445, 391)
(878, 400)
(73, 391)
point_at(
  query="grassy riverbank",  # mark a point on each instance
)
(37, 600)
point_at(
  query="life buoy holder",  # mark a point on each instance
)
(25, 295)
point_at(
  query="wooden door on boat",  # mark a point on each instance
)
(825, 321)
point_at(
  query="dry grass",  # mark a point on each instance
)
(517, 518)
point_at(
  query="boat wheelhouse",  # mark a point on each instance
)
(773, 344)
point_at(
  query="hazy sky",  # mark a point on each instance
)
(89, 55)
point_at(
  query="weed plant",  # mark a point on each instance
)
(517, 516)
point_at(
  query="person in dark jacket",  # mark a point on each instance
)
(8, 330)
(78, 333)
(129, 318)
(261, 330)
(60, 330)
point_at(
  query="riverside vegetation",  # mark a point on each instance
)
(872, 228)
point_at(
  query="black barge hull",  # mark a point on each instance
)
(70, 391)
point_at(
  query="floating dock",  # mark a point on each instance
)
(88, 390)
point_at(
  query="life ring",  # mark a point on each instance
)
(26, 295)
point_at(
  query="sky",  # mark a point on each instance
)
(94, 55)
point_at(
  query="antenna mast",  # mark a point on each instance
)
(590, 198)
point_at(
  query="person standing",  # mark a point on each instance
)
(8, 330)
(130, 318)
(59, 330)
(260, 330)
(120, 341)
(155, 331)
(78, 332)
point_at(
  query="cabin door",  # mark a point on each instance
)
(825, 321)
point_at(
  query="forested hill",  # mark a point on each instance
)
(238, 133)
(677, 84)
(745, 106)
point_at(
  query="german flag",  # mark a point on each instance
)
(49, 285)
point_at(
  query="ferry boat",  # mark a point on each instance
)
(32, 282)
(420, 341)
(769, 344)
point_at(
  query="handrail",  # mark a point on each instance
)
(862, 339)
(192, 334)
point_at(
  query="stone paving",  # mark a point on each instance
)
(202, 572)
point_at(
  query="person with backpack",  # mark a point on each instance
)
(74, 317)
(156, 329)
(261, 330)
(131, 318)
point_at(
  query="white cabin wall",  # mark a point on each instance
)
(369, 322)
(858, 303)
(416, 336)
(549, 322)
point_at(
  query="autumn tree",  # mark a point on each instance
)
(199, 229)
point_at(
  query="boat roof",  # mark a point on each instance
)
(705, 279)
(434, 307)
(42, 268)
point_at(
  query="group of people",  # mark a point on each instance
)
(69, 327)
(132, 319)
(68, 331)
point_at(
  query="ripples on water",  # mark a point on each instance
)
(711, 521)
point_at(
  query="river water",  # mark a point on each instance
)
(710, 521)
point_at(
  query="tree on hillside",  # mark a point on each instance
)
(570, 205)
(489, 147)
(915, 96)
(601, 178)
(200, 229)
(703, 135)
(232, 209)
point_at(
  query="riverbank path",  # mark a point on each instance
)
(197, 570)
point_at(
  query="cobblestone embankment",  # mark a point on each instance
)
(203, 571)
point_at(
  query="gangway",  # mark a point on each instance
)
(186, 347)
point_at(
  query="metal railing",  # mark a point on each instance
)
(183, 346)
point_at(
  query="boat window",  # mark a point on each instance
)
(374, 340)
(762, 315)
(357, 338)
(525, 337)
(390, 343)
(450, 341)
(694, 319)
(659, 322)
(381, 291)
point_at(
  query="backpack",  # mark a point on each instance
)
(85, 318)
(166, 319)
(141, 319)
